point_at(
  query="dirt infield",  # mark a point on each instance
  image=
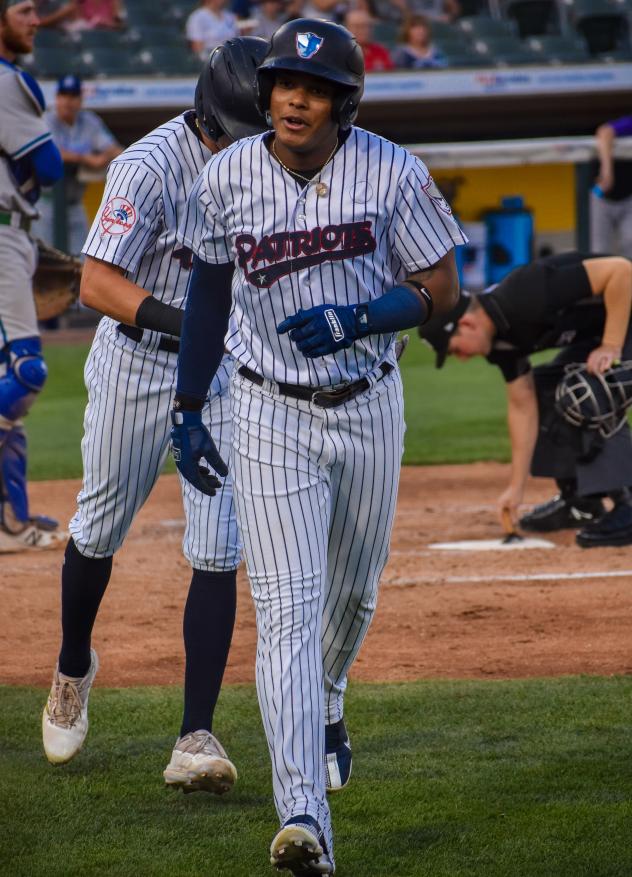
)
(440, 614)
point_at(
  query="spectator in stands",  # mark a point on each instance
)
(86, 145)
(376, 56)
(611, 199)
(416, 51)
(270, 15)
(398, 10)
(209, 26)
(332, 10)
(82, 14)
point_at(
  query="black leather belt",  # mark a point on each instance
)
(166, 343)
(320, 396)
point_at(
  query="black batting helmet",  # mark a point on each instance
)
(320, 48)
(225, 93)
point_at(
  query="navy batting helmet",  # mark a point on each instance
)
(225, 93)
(320, 48)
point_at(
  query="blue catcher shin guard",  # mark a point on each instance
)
(14, 504)
(25, 376)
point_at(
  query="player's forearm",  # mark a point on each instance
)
(205, 324)
(61, 14)
(522, 420)
(105, 288)
(442, 282)
(612, 278)
(604, 141)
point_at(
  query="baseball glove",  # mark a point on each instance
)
(55, 282)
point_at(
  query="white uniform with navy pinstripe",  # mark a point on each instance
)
(315, 488)
(131, 383)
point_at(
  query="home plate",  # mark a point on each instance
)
(493, 545)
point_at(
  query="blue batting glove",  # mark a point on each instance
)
(322, 330)
(190, 442)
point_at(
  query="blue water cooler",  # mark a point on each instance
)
(509, 238)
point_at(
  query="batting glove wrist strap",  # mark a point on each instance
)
(399, 308)
(182, 402)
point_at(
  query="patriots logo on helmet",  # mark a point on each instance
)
(307, 44)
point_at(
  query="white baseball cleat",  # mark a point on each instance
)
(32, 537)
(199, 764)
(300, 847)
(65, 717)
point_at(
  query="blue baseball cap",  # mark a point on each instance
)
(69, 85)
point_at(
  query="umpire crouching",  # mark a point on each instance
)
(581, 304)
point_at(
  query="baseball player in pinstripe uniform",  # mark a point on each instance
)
(28, 160)
(137, 274)
(332, 239)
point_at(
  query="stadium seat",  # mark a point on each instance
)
(114, 62)
(53, 62)
(159, 35)
(167, 61)
(51, 38)
(505, 51)
(100, 39)
(556, 49)
(456, 57)
(387, 33)
(602, 23)
(482, 26)
(471, 8)
(533, 17)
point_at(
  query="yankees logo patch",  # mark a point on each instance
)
(307, 44)
(432, 191)
(118, 216)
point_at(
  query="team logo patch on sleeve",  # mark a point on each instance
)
(307, 44)
(118, 216)
(432, 191)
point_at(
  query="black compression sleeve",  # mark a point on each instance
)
(159, 317)
(206, 314)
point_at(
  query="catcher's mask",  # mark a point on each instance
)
(320, 48)
(225, 92)
(598, 402)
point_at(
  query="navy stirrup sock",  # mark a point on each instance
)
(83, 584)
(209, 618)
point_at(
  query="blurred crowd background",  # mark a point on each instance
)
(145, 37)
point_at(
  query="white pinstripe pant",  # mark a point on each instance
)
(315, 491)
(125, 444)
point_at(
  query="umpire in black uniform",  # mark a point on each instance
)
(581, 304)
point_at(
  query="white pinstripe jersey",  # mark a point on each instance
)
(380, 219)
(143, 203)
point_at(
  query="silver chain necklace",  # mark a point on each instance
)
(321, 188)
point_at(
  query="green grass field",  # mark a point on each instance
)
(451, 779)
(453, 415)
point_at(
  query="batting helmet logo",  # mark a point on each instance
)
(307, 44)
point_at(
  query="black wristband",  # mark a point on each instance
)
(159, 317)
(182, 402)
(426, 296)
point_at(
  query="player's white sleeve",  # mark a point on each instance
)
(23, 127)
(130, 218)
(101, 136)
(423, 229)
(201, 228)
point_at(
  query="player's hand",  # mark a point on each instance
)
(509, 501)
(322, 330)
(602, 358)
(605, 180)
(190, 442)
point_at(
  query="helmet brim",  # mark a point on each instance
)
(321, 71)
